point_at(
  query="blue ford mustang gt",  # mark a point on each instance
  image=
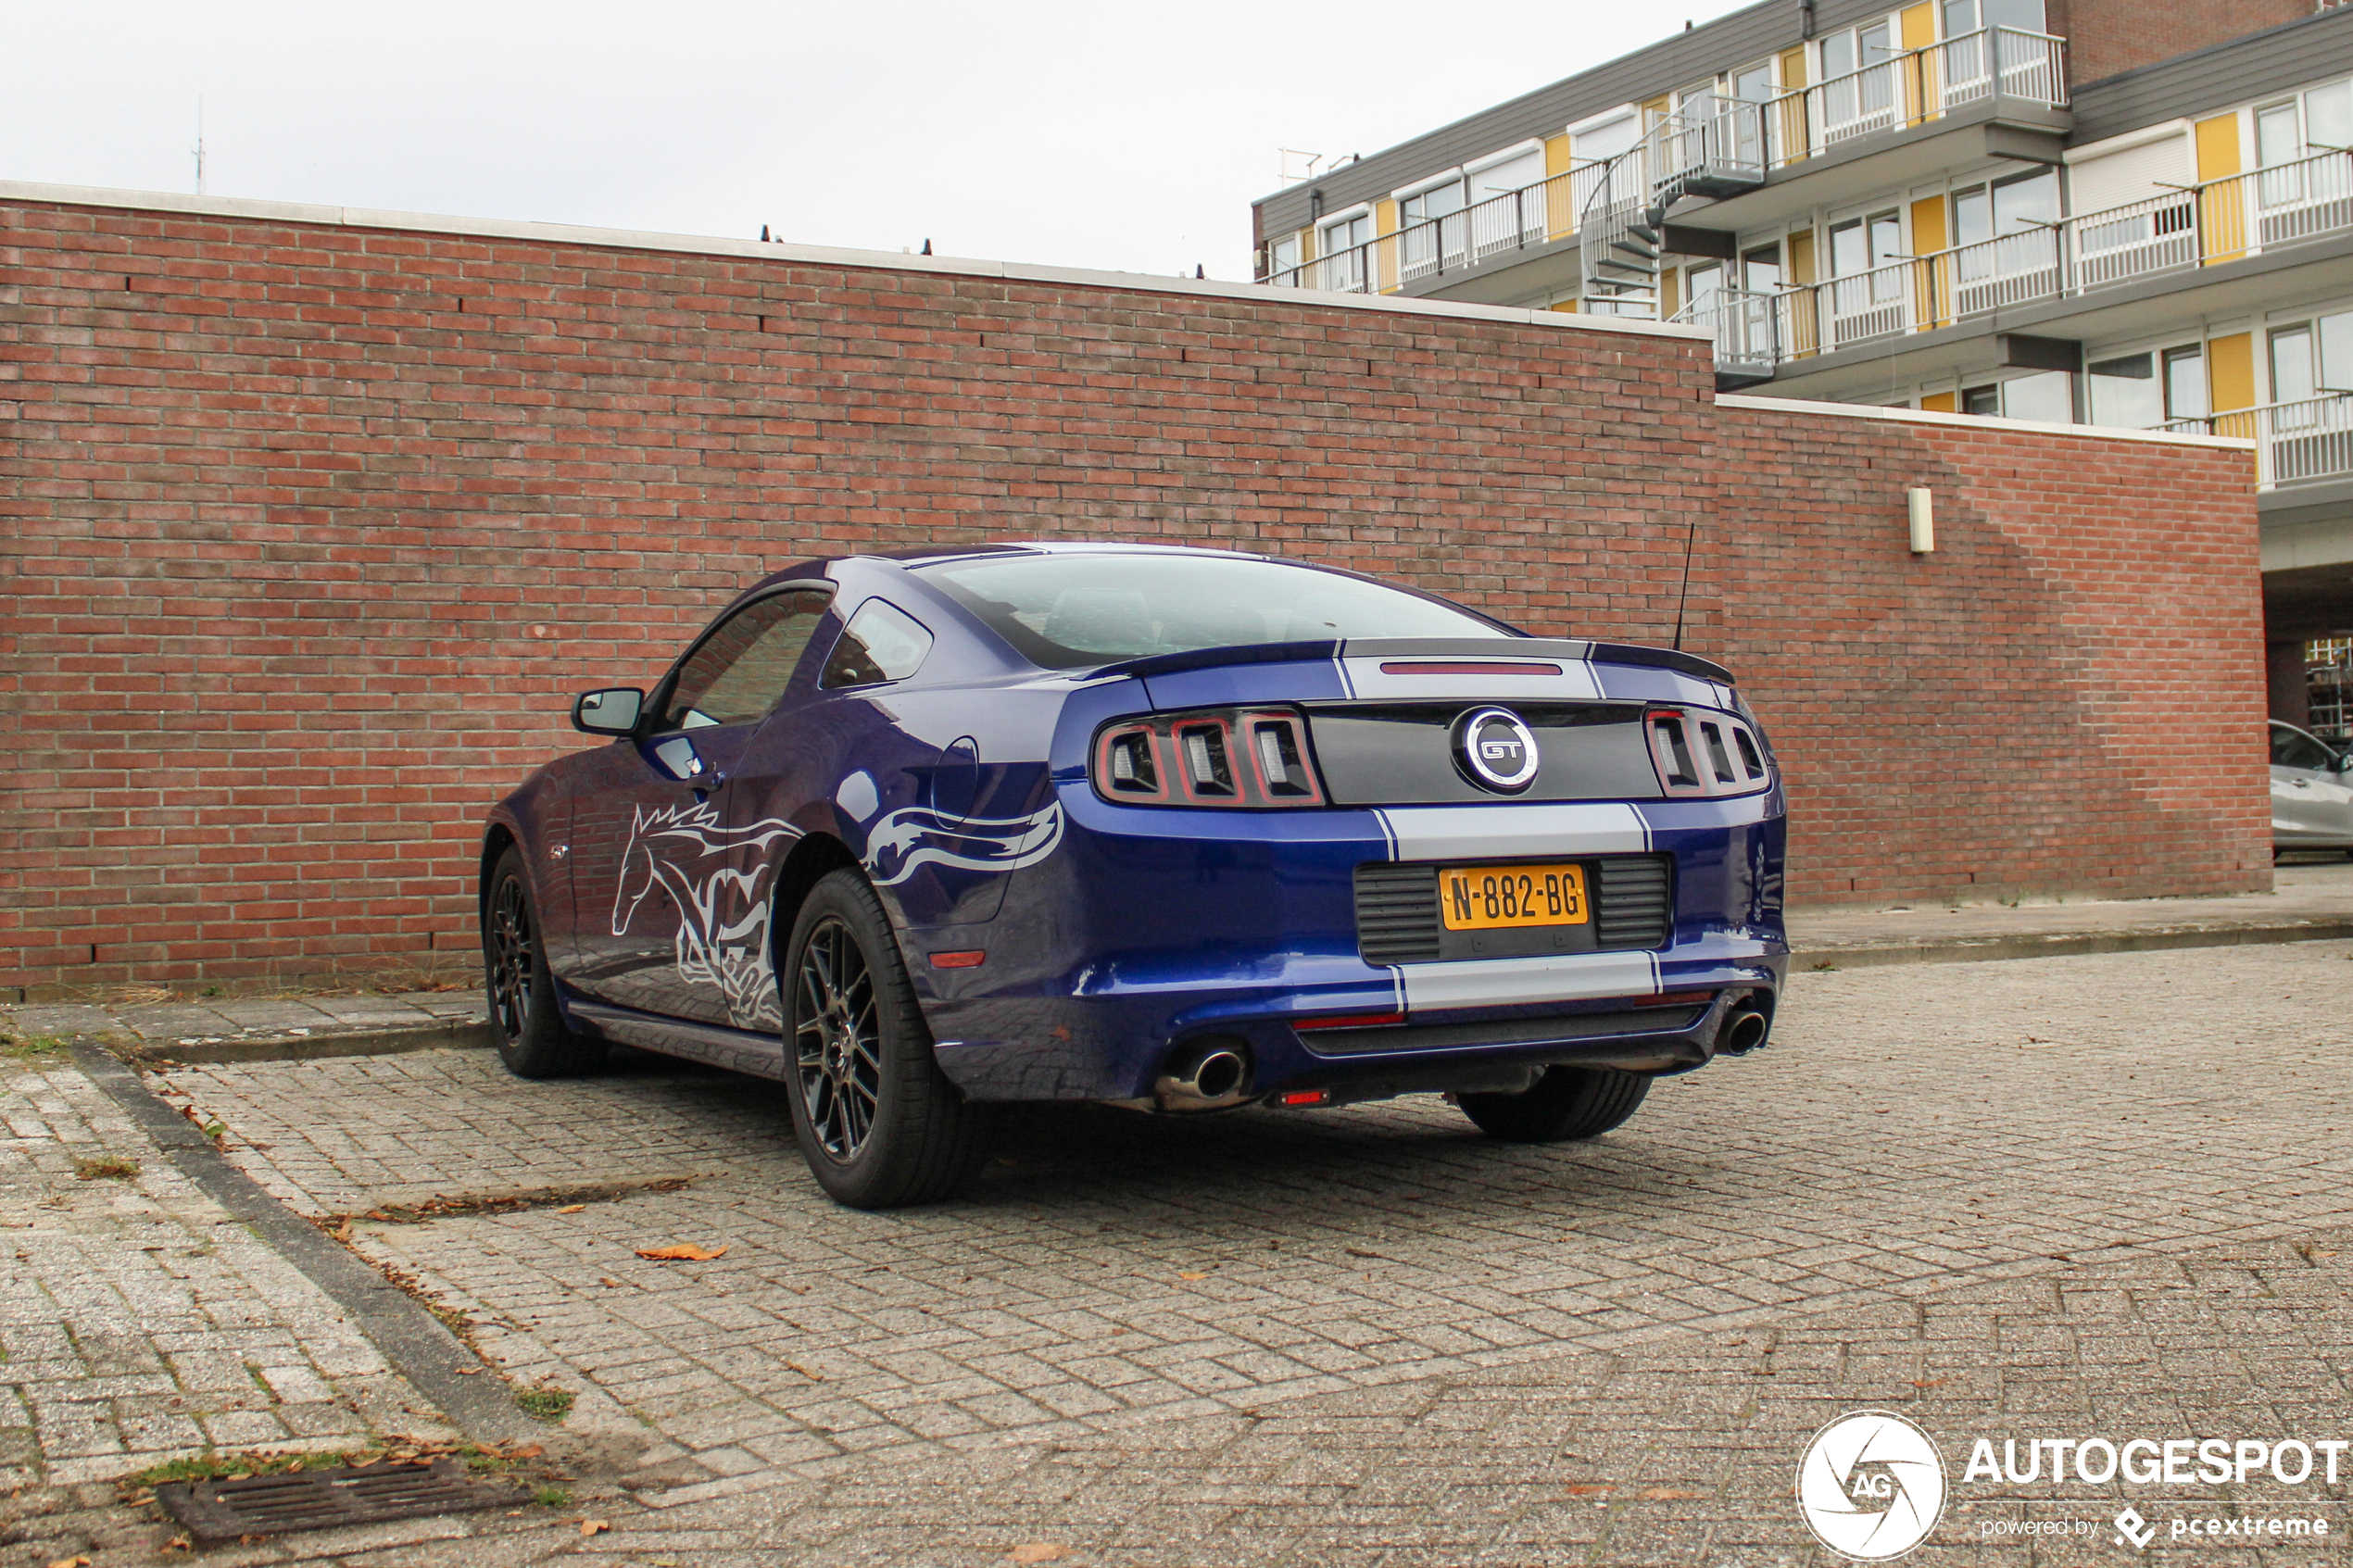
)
(1178, 830)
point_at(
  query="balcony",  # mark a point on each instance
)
(2294, 442)
(1716, 151)
(2181, 231)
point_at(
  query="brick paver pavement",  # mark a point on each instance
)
(2018, 1197)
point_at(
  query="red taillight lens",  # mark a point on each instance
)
(1254, 758)
(1699, 752)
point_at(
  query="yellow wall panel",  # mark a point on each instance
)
(1568, 306)
(2230, 368)
(1668, 292)
(1918, 24)
(1793, 71)
(1931, 280)
(1557, 154)
(2218, 147)
(1560, 205)
(1801, 257)
(1939, 403)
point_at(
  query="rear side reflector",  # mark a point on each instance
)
(970, 960)
(1458, 666)
(1350, 1021)
(1303, 1097)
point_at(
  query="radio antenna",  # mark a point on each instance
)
(1683, 594)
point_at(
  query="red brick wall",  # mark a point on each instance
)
(2105, 37)
(319, 525)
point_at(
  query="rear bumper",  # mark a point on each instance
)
(1141, 936)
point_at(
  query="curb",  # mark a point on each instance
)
(416, 1344)
(311, 1047)
(2069, 944)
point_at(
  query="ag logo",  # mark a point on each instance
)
(1872, 1486)
(1496, 750)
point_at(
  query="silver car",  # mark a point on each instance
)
(2311, 791)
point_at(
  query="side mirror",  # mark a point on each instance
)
(613, 711)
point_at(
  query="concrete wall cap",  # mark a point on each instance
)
(824, 256)
(1976, 421)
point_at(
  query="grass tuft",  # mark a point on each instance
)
(545, 1402)
(105, 1168)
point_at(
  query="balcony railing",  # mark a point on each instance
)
(1912, 89)
(1513, 221)
(1722, 137)
(2197, 226)
(2311, 438)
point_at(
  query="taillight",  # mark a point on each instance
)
(1248, 757)
(1701, 753)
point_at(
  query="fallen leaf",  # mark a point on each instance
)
(1360, 1252)
(1929, 1382)
(594, 1526)
(528, 1450)
(467, 1371)
(571, 1208)
(1666, 1494)
(683, 1252)
(1588, 1491)
(1040, 1551)
(1191, 1273)
(70, 1563)
(805, 1372)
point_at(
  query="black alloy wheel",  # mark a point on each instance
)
(513, 956)
(532, 1038)
(877, 1120)
(836, 1041)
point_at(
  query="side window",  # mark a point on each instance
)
(881, 643)
(2290, 749)
(740, 671)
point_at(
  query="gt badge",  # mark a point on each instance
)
(1496, 750)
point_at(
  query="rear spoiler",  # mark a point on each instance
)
(1424, 647)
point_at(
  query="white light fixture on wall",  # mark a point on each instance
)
(1923, 521)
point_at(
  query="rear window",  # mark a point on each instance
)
(1067, 612)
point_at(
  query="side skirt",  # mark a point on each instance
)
(737, 1050)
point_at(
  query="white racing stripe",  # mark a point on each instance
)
(1566, 978)
(1486, 833)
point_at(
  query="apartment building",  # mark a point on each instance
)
(2071, 210)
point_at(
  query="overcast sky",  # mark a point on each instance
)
(1112, 135)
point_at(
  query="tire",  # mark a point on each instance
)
(1567, 1103)
(532, 1036)
(880, 1125)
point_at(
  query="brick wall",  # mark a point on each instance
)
(319, 525)
(2105, 37)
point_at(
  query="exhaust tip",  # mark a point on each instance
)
(1745, 1031)
(1206, 1076)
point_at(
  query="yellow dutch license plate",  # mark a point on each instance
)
(1493, 897)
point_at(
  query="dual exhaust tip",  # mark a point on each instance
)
(1212, 1074)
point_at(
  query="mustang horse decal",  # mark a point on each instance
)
(723, 900)
(719, 878)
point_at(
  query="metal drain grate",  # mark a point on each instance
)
(317, 1500)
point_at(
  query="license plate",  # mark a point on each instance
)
(1493, 897)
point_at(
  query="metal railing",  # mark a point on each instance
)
(1513, 220)
(1913, 88)
(2226, 220)
(1724, 138)
(2310, 438)
(1751, 328)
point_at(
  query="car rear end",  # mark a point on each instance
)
(1306, 875)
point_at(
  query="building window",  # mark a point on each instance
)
(1857, 49)
(2185, 384)
(1864, 244)
(1761, 268)
(2328, 117)
(2125, 391)
(2049, 397)
(1435, 202)
(1282, 256)
(2293, 373)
